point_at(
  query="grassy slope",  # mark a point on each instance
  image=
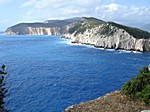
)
(137, 33)
(81, 25)
(87, 23)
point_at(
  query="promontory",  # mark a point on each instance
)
(88, 30)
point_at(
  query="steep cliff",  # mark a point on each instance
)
(89, 31)
(108, 35)
(49, 27)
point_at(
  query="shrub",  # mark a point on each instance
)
(2, 89)
(139, 87)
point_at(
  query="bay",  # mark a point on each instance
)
(48, 73)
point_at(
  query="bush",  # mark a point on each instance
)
(2, 89)
(139, 87)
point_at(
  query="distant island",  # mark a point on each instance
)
(89, 31)
(133, 97)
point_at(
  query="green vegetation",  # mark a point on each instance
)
(75, 27)
(83, 24)
(106, 30)
(135, 32)
(139, 87)
(87, 23)
(93, 21)
(2, 89)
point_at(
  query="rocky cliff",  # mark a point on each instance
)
(48, 27)
(37, 31)
(89, 31)
(108, 35)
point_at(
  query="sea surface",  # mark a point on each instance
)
(48, 74)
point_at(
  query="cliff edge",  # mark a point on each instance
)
(112, 102)
(133, 97)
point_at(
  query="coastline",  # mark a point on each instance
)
(69, 42)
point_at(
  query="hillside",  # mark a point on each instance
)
(80, 26)
(88, 23)
(46, 26)
(89, 31)
(109, 35)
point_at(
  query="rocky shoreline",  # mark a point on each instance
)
(140, 50)
(121, 39)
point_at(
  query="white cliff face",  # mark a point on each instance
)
(10, 33)
(119, 40)
(38, 31)
(44, 31)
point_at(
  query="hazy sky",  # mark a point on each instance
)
(122, 11)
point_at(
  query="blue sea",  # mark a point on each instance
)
(48, 73)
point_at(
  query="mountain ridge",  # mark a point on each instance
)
(89, 30)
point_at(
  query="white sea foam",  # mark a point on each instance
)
(137, 52)
(68, 42)
(124, 51)
(110, 49)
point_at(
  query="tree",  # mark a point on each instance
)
(139, 87)
(2, 89)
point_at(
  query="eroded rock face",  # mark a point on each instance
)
(119, 40)
(38, 31)
(49, 27)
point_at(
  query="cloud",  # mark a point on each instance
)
(112, 7)
(121, 13)
(28, 3)
(45, 9)
(60, 9)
